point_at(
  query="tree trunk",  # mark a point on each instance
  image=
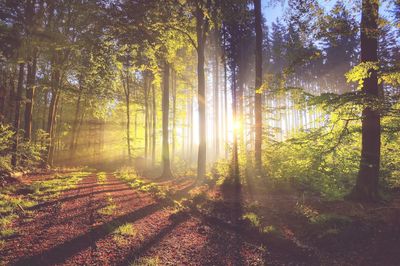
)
(51, 126)
(173, 115)
(165, 115)
(18, 99)
(52, 114)
(153, 146)
(216, 97)
(201, 36)
(258, 84)
(74, 128)
(235, 157)
(30, 95)
(226, 108)
(3, 95)
(12, 96)
(146, 116)
(366, 187)
(128, 116)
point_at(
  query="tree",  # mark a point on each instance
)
(165, 131)
(202, 27)
(366, 187)
(258, 84)
(17, 121)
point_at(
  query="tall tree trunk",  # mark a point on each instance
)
(44, 112)
(30, 95)
(51, 126)
(201, 29)
(216, 96)
(258, 93)
(235, 157)
(146, 116)
(128, 115)
(153, 127)
(31, 70)
(52, 114)
(191, 128)
(3, 95)
(18, 99)
(12, 96)
(165, 115)
(226, 107)
(366, 187)
(173, 115)
(74, 128)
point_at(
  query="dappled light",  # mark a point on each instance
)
(199, 132)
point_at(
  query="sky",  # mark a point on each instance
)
(271, 12)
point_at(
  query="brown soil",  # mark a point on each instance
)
(72, 230)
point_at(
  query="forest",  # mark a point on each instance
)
(199, 132)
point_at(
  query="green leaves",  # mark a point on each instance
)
(361, 72)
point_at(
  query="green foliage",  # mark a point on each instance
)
(101, 177)
(324, 160)
(29, 154)
(131, 177)
(5, 146)
(253, 218)
(110, 208)
(126, 230)
(360, 72)
(52, 188)
(220, 171)
(17, 199)
(146, 262)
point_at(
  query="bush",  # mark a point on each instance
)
(29, 154)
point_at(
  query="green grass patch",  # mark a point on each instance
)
(252, 218)
(126, 230)
(15, 201)
(52, 188)
(146, 262)
(7, 232)
(122, 233)
(110, 208)
(134, 181)
(101, 178)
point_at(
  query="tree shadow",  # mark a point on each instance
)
(142, 249)
(61, 252)
(226, 245)
(75, 197)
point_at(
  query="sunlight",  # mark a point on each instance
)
(237, 125)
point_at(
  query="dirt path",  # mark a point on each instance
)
(105, 222)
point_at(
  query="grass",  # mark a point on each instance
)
(122, 233)
(101, 177)
(110, 208)
(7, 232)
(16, 200)
(146, 262)
(126, 230)
(252, 218)
(52, 188)
(134, 181)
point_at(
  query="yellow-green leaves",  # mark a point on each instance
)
(391, 78)
(360, 72)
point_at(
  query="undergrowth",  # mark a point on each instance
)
(16, 200)
(134, 181)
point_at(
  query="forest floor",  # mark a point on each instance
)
(105, 219)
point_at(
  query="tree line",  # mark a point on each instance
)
(209, 80)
